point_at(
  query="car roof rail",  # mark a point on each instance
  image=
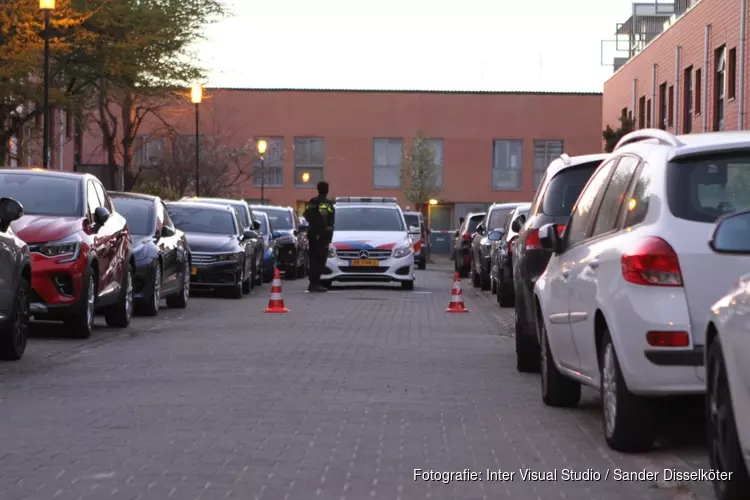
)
(370, 199)
(662, 136)
(565, 158)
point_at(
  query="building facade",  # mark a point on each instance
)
(688, 78)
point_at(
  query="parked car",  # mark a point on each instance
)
(162, 253)
(479, 269)
(422, 241)
(501, 257)
(727, 371)
(554, 199)
(626, 293)
(462, 243)
(81, 256)
(220, 248)
(249, 223)
(269, 245)
(291, 239)
(15, 265)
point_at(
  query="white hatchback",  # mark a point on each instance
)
(622, 303)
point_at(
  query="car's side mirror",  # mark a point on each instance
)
(275, 234)
(550, 239)
(249, 235)
(304, 227)
(518, 223)
(295, 232)
(456, 233)
(480, 229)
(495, 235)
(415, 230)
(256, 225)
(167, 231)
(732, 234)
(101, 216)
(10, 210)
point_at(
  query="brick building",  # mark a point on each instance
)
(493, 147)
(686, 70)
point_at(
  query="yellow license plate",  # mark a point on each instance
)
(365, 263)
(194, 271)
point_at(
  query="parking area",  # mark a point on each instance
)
(342, 398)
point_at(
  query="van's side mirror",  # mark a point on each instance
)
(249, 235)
(732, 234)
(167, 231)
(256, 225)
(480, 229)
(549, 238)
(10, 210)
(101, 216)
(276, 234)
(495, 235)
(518, 223)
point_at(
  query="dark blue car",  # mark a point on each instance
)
(270, 253)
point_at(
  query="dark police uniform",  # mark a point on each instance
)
(321, 215)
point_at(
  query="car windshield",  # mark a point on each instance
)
(497, 217)
(563, 190)
(369, 219)
(413, 220)
(138, 213)
(262, 220)
(473, 223)
(703, 189)
(281, 220)
(202, 220)
(42, 194)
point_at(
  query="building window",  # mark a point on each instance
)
(732, 77)
(649, 121)
(183, 149)
(663, 106)
(309, 159)
(698, 91)
(670, 106)
(624, 113)
(642, 112)
(507, 160)
(269, 172)
(719, 88)
(544, 153)
(437, 148)
(687, 117)
(387, 157)
(149, 151)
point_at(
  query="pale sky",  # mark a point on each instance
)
(415, 44)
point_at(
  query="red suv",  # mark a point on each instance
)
(81, 256)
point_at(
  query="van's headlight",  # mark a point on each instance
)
(229, 257)
(331, 252)
(402, 251)
(68, 248)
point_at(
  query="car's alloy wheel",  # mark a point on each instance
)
(609, 389)
(90, 303)
(14, 335)
(129, 296)
(186, 281)
(157, 287)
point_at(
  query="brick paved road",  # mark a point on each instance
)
(221, 401)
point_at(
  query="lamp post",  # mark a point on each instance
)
(262, 146)
(196, 97)
(47, 6)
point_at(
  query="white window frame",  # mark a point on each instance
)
(310, 166)
(545, 152)
(148, 151)
(509, 163)
(394, 169)
(273, 163)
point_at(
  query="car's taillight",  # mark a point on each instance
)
(652, 262)
(532, 240)
(668, 339)
(467, 237)
(560, 229)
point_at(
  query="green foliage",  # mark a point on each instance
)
(156, 188)
(420, 172)
(612, 136)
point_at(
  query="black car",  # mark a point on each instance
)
(249, 223)
(220, 248)
(15, 265)
(162, 254)
(462, 243)
(501, 257)
(479, 268)
(558, 191)
(290, 236)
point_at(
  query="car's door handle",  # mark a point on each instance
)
(594, 263)
(565, 273)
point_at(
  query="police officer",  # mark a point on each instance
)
(321, 215)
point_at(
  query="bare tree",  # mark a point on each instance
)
(420, 173)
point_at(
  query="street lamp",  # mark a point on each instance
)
(262, 147)
(196, 97)
(47, 6)
(433, 201)
(306, 177)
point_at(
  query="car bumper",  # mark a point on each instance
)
(388, 270)
(143, 282)
(216, 275)
(288, 255)
(55, 286)
(655, 371)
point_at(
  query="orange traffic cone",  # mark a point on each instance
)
(276, 302)
(457, 300)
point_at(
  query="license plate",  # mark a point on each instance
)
(194, 271)
(365, 263)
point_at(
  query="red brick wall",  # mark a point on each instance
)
(348, 121)
(689, 33)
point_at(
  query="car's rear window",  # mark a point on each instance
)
(138, 213)
(563, 190)
(42, 194)
(473, 223)
(703, 188)
(412, 220)
(497, 218)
